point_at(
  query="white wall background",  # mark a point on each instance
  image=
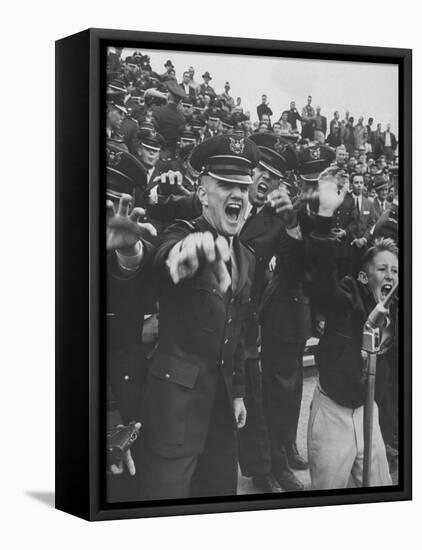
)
(27, 275)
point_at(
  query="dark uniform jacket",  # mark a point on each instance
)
(265, 236)
(169, 123)
(347, 305)
(346, 217)
(129, 298)
(286, 305)
(199, 341)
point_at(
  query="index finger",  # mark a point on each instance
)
(124, 205)
(222, 248)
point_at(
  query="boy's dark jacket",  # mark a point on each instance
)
(346, 305)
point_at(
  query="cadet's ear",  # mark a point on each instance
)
(363, 277)
(202, 194)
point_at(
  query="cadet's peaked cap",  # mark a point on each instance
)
(176, 90)
(269, 156)
(227, 158)
(189, 135)
(124, 172)
(314, 160)
(150, 139)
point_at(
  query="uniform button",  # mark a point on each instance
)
(226, 341)
(167, 375)
(222, 363)
(296, 299)
(234, 373)
(126, 377)
(232, 301)
(229, 321)
(214, 290)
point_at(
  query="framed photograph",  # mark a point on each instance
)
(232, 216)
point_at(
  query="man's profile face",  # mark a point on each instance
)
(115, 119)
(263, 183)
(264, 99)
(223, 204)
(309, 100)
(336, 115)
(292, 105)
(357, 185)
(382, 274)
(148, 156)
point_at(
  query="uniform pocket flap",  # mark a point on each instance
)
(175, 370)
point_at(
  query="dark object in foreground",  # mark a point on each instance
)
(119, 440)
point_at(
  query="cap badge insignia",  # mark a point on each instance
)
(315, 154)
(237, 146)
(280, 147)
(113, 157)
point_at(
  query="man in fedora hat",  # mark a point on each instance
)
(205, 87)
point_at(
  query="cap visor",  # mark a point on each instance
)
(271, 169)
(151, 147)
(232, 178)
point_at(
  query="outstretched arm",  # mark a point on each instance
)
(197, 249)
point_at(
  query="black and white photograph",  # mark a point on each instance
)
(252, 245)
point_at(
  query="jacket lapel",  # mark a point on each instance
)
(242, 264)
(256, 226)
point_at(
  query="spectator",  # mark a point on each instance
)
(205, 87)
(320, 126)
(308, 113)
(186, 84)
(263, 108)
(293, 116)
(359, 132)
(388, 143)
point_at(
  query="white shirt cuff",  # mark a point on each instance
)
(153, 195)
(130, 263)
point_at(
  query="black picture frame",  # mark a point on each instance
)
(80, 279)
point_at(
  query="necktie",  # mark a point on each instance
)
(357, 205)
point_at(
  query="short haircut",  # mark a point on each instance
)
(380, 245)
(353, 175)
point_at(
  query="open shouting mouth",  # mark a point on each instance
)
(385, 289)
(232, 211)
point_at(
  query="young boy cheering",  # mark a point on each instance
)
(335, 430)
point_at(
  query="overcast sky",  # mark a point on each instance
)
(365, 89)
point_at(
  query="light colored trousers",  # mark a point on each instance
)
(335, 445)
